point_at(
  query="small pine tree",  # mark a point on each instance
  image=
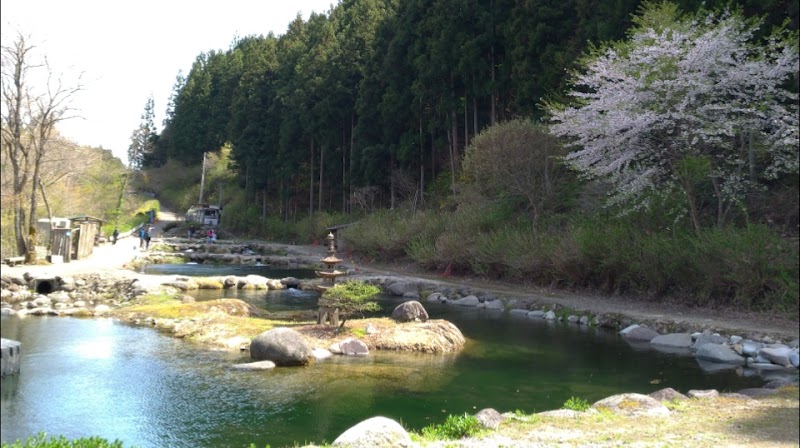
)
(351, 297)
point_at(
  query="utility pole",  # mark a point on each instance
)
(202, 179)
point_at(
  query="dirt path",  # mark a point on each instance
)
(722, 320)
(105, 257)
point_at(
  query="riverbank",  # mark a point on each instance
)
(706, 420)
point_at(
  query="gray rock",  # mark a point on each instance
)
(707, 338)
(489, 418)
(719, 353)
(640, 334)
(495, 304)
(795, 343)
(466, 301)
(628, 329)
(283, 346)
(709, 393)
(573, 319)
(633, 405)
(376, 432)
(778, 383)
(518, 312)
(550, 315)
(676, 340)
(668, 394)
(411, 296)
(777, 355)
(436, 297)
(584, 320)
(735, 339)
(537, 314)
(409, 312)
(765, 366)
(252, 366)
(350, 347)
(758, 392)
(402, 287)
(794, 358)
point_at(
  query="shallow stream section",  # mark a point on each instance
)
(84, 377)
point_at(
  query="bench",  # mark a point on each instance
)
(11, 261)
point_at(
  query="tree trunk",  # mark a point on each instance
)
(352, 131)
(321, 170)
(474, 116)
(311, 187)
(493, 96)
(344, 169)
(466, 121)
(688, 189)
(391, 180)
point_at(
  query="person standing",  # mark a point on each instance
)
(114, 236)
(142, 231)
(147, 240)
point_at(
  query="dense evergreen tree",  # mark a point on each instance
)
(374, 91)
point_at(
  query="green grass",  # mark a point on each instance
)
(576, 404)
(454, 427)
(43, 441)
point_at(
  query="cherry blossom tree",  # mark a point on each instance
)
(686, 99)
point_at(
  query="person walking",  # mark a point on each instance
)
(114, 236)
(142, 231)
(147, 240)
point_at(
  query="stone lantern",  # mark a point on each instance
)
(328, 277)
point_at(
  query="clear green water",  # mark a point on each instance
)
(98, 377)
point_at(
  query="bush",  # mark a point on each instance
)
(42, 441)
(454, 427)
(576, 404)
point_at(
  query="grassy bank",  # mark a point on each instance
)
(747, 267)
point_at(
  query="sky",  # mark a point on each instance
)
(126, 51)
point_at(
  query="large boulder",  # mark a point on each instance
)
(673, 340)
(777, 355)
(668, 394)
(633, 405)
(376, 432)
(402, 287)
(489, 418)
(283, 346)
(718, 353)
(471, 301)
(350, 347)
(640, 334)
(707, 337)
(410, 311)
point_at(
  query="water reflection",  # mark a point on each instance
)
(100, 377)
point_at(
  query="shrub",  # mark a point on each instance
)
(454, 427)
(42, 441)
(576, 404)
(351, 297)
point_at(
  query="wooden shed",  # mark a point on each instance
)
(78, 239)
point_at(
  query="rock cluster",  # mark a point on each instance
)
(94, 294)
(89, 294)
(715, 352)
(763, 356)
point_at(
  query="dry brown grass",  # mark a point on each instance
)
(718, 422)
